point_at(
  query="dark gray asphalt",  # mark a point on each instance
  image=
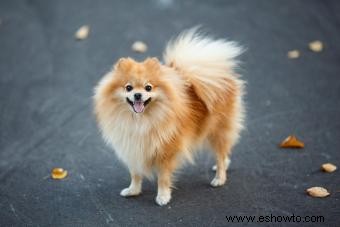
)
(46, 81)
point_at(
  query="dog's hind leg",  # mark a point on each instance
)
(227, 163)
(221, 146)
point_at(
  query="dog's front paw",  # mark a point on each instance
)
(217, 181)
(163, 199)
(129, 192)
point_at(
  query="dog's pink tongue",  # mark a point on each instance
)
(138, 107)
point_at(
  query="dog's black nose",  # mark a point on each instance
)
(138, 96)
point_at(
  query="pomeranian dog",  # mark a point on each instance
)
(155, 115)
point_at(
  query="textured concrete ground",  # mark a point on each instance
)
(46, 82)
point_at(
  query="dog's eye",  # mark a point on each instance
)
(128, 88)
(148, 88)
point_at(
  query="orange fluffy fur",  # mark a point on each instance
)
(195, 97)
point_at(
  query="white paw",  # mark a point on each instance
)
(129, 192)
(163, 199)
(216, 182)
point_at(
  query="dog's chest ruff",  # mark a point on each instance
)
(134, 147)
(137, 144)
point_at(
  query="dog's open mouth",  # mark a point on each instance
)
(138, 106)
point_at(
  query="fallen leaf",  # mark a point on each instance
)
(293, 54)
(316, 46)
(317, 192)
(328, 167)
(292, 142)
(58, 173)
(82, 32)
(139, 47)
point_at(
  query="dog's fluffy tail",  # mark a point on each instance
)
(207, 63)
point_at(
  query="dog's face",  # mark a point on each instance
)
(138, 96)
(137, 85)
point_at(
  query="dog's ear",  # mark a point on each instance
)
(152, 63)
(123, 64)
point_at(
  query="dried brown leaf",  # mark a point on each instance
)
(82, 32)
(316, 46)
(328, 167)
(292, 142)
(293, 54)
(139, 47)
(58, 173)
(319, 192)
